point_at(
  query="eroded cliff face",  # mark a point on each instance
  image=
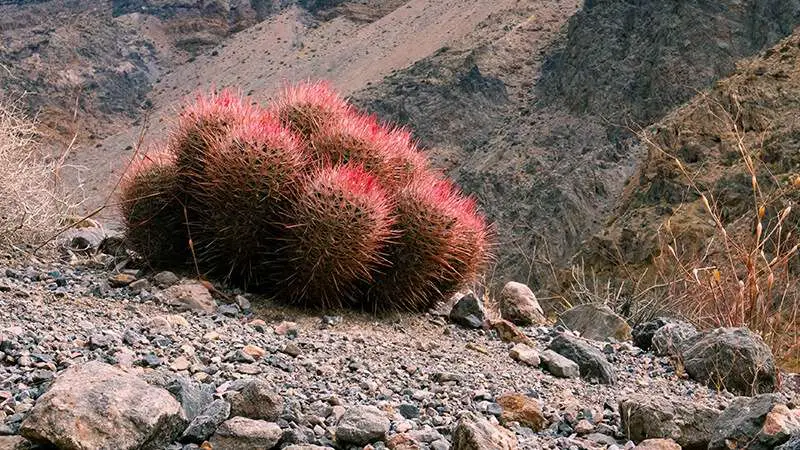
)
(636, 60)
(88, 68)
(549, 153)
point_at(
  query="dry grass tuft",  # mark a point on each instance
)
(31, 205)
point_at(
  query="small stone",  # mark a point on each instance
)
(518, 305)
(362, 425)
(525, 354)
(596, 322)
(584, 427)
(211, 336)
(292, 350)
(508, 332)
(204, 425)
(121, 280)
(288, 329)
(139, 285)
(658, 444)
(240, 433)
(165, 279)
(243, 303)
(192, 296)
(468, 312)
(408, 411)
(591, 361)
(258, 324)
(559, 366)
(475, 433)
(522, 409)
(180, 363)
(257, 400)
(254, 351)
(228, 310)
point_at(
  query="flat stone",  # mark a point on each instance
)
(591, 361)
(523, 409)
(525, 355)
(558, 365)
(240, 433)
(596, 322)
(192, 296)
(362, 425)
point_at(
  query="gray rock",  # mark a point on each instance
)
(669, 339)
(306, 447)
(792, 444)
(591, 361)
(647, 416)
(735, 359)
(97, 406)
(596, 322)
(204, 425)
(643, 333)
(559, 365)
(165, 279)
(518, 305)
(14, 443)
(475, 433)
(525, 354)
(193, 296)
(755, 423)
(240, 433)
(468, 312)
(362, 425)
(256, 400)
(194, 397)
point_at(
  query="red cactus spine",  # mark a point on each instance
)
(305, 108)
(435, 251)
(389, 154)
(340, 226)
(249, 177)
(152, 213)
(208, 119)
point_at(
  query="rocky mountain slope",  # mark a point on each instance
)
(749, 115)
(156, 361)
(519, 101)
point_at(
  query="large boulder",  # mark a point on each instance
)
(596, 322)
(476, 433)
(518, 305)
(647, 417)
(735, 359)
(670, 339)
(362, 425)
(756, 423)
(590, 360)
(97, 406)
(240, 433)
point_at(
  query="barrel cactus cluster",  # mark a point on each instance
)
(306, 200)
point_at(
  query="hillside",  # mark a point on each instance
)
(753, 113)
(516, 99)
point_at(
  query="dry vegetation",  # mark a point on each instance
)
(31, 204)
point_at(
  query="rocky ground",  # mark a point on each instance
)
(94, 357)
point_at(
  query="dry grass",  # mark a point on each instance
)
(746, 274)
(31, 204)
